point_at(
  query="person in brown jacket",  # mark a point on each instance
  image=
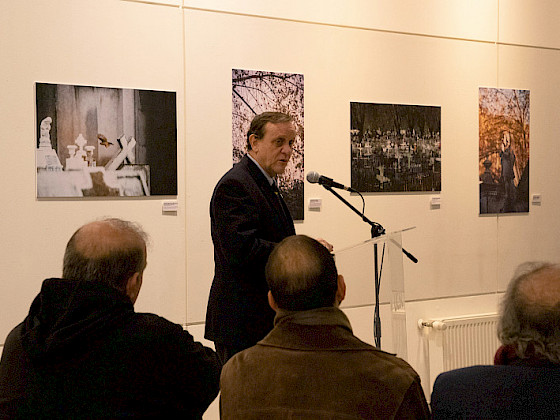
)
(311, 366)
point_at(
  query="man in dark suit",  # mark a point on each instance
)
(525, 381)
(248, 217)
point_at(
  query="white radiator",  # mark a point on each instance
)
(461, 342)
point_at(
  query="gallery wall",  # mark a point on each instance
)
(97, 43)
(451, 55)
(404, 52)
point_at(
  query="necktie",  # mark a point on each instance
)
(280, 200)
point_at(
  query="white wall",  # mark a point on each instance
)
(435, 52)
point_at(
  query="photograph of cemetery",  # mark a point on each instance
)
(395, 148)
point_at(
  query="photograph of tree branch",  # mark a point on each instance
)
(503, 157)
(254, 92)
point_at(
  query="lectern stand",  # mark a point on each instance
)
(357, 264)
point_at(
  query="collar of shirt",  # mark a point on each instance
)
(271, 180)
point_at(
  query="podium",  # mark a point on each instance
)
(357, 263)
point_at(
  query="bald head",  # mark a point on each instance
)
(542, 287)
(101, 238)
(530, 318)
(301, 274)
(109, 251)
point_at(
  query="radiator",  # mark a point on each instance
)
(462, 342)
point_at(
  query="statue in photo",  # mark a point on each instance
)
(45, 156)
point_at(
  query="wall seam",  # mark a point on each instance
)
(184, 49)
(498, 43)
(154, 3)
(341, 26)
(363, 28)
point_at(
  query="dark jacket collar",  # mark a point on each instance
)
(270, 179)
(254, 170)
(271, 192)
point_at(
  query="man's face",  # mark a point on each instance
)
(274, 149)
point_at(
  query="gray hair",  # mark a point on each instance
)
(530, 322)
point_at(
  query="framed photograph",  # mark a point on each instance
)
(503, 151)
(395, 148)
(105, 142)
(254, 92)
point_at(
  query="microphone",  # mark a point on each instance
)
(315, 178)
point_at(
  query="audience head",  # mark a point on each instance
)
(530, 320)
(258, 124)
(111, 251)
(302, 275)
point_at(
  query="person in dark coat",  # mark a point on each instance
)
(83, 352)
(524, 382)
(248, 217)
(311, 366)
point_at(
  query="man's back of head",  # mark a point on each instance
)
(311, 365)
(530, 320)
(109, 250)
(83, 352)
(526, 374)
(302, 275)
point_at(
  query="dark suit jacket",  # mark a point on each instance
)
(247, 220)
(497, 392)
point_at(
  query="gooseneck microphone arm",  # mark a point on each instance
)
(325, 181)
(376, 228)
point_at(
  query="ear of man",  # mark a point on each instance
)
(340, 294)
(272, 302)
(133, 285)
(341, 290)
(253, 141)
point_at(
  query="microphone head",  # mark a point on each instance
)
(313, 177)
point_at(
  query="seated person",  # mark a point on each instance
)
(525, 381)
(311, 366)
(83, 352)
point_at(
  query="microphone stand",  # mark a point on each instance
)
(376, 231)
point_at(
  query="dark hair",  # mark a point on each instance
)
(258, 124)
(110, 252)
(530, 326)
(301, 274)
